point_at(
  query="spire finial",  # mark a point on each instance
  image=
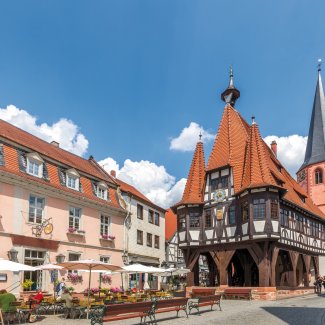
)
(200, 136)
(231, 80)
(253, 120)
(231, 94)
(319, 65)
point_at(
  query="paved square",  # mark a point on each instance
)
(308, 310)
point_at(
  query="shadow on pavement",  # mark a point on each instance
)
(298, 315)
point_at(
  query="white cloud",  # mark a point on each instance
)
(150, 179)
(189, 136)
(291, 150)
(64, 131)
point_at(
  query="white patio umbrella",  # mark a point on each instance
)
(6, 265)
(90, 265)
(140, 268)
(174, 271)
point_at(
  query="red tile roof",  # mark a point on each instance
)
(25, 139)
(193, 192)
(125, 187)
(229, 144)
(254, 165)
(13, 138)
(170, 224)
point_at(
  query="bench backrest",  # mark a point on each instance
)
(118, 309)
(237, 291)
(171, 303)
(210, 298)
(197, 292)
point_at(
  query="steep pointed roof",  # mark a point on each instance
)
(253, 163)
(315, 151)
(256, 170)
(193, 192)
(229, 144)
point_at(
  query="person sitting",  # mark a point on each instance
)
(36, 299)
(5, 299)
(67, 298)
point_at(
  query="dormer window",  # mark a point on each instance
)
(101, 190)
(72, 179)
(34, 164)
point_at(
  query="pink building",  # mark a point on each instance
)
(54, 203)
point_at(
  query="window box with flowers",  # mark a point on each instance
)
(105, 278)
(75, 231)
(107, 237)
(74, 278)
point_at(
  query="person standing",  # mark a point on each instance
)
(59, 288)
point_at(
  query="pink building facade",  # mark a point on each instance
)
(54, 204)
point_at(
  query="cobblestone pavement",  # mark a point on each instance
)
(307, 310)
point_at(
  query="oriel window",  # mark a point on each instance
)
(208, 219)
(232, 215)
(194, 220)
(274, 209)
(259, 209)
(181, 222)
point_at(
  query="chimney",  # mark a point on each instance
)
(113, 173)
(274, 147)
(55, 144)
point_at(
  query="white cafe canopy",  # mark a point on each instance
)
(6, 265)
(140, 268)
(49, 267)
(174, 271)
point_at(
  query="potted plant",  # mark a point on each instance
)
(105, 236)
(112, 237)
(27, 284)
(71, 230)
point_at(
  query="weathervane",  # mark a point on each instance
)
(200, 136)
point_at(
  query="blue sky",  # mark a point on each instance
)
(131, 75)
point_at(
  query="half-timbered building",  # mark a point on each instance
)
(244, 212)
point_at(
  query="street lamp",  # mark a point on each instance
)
(125, 258)
(12, 254)
(60, 258)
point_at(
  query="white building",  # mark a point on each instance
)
(144, 232)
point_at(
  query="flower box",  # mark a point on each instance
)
(108, 237)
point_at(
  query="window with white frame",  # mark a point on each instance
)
(73, 257)
(101, 190)
(104, 224)
(36, 209)
(34, 164)
(105, 259)
(72, 179)
(74, 218)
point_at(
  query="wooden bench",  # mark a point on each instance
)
(122, 311)
(204, 301)
(200, 292)
(166, 305)
(238, 293)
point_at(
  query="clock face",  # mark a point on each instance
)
(219, 195)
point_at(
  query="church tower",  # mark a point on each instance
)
(312, 172)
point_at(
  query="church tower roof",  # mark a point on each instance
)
(193, 192)
(315, 151)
